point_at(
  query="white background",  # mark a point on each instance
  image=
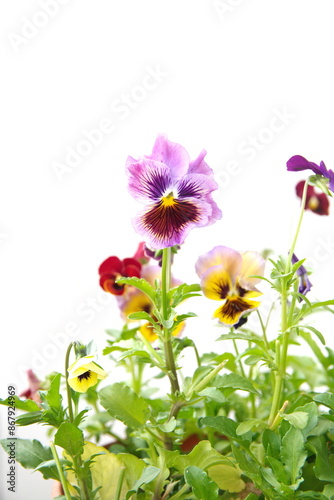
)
(223, 72)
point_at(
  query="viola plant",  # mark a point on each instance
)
(253, 420)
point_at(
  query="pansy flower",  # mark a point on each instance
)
(304, 283)
(84, 373)
(32, 392)
(317, 202)
(297, 163)
(176, 192)
(113, 268)
(226, 276)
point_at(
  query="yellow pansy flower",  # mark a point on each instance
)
(84, 373)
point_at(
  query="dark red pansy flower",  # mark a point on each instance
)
(113, 268)
(315, 201)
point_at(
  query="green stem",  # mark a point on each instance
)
(167, 341)
(294, 241)
(119, 485)
(282, 346)
(62, 477)
(237, 353)
(77, 462)
(68, 388)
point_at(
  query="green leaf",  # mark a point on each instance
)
(297, 418)
(271, 443)
(234, 381)
(147, 476)
(249, 425)
(202, 456)
(49, 468)
(326, 399)
(21, 404)
(227, 477)
(314, 330)
(53, 397)
(278, 469)
(69, 437)
(293, 454)
(141, 284)
(225, 426)
(323, 468)
(124, 404)
(29, 453)
(249, 337)
(31, 417)
(142, 315)
(214, 394)
(203, 487)
(182, 292)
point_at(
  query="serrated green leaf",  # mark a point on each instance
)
(49, 468)
(141, 284)
(124, 404)
(293, 454)
(323, 469)
(214, 394)
(248, 425)
(148, 475)
(297, 418)
(234, 381)
(271, 443)
(202, 486)
(70, 438)
(29, 453)
(21, 404)
(225, 426)
(326, 399)
(53, 397)
(278, 469)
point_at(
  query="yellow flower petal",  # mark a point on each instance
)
(83, 382)
(233, 308)
(252, 264)
(223, 256)
(216, 283)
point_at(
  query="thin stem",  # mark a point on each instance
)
(264, 333)
(239, 360)
(119, 485)
(294, 241)
(68, 388)
(62, 477)
(77, 462)
(167, 341)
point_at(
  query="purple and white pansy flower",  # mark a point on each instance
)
(176, 192)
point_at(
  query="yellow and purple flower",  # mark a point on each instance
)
(177, 193)
(84, 373)
(226, 276)
(297, 163)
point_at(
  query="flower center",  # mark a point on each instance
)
(313, 203)
(85, 375)
(168, 200)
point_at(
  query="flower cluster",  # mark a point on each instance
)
(250, 423)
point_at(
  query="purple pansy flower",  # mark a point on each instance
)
(177, 193)
(304, 283)
(297, 163)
